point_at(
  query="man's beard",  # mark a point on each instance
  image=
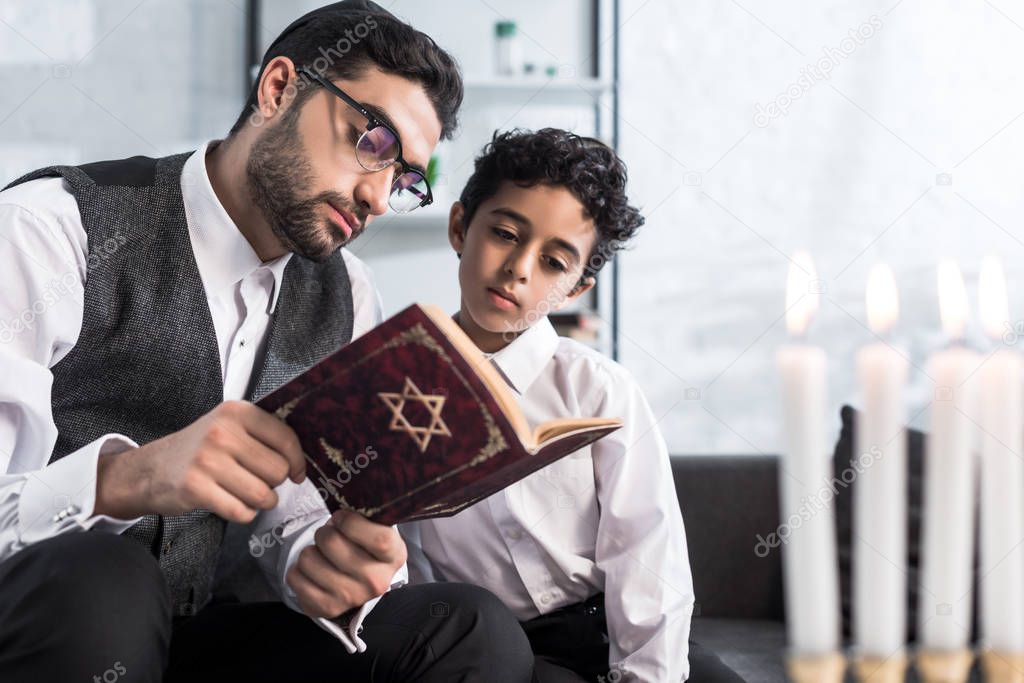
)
(277, 168)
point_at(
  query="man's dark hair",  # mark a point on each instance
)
(586, 167)
(342, 40)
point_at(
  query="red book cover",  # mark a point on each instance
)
(410, 421)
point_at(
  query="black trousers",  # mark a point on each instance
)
(95, 607)
(571, 645)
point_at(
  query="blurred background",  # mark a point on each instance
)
(860, 131)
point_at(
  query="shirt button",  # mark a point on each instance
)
(167, 546)
(65, 513)
(515, 534)
(545, 599)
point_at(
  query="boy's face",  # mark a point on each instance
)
(522, 257)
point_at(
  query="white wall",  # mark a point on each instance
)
(851, 173)
(85, 80)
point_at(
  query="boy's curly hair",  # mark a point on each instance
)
(588, 168)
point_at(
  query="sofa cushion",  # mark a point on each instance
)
(752, 648)
(727, 501)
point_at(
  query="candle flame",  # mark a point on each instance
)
(992, 303)
(883, 302)
(952, 300)
(802, 293)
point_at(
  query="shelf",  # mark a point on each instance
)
(554, 85)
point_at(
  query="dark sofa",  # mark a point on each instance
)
(727, 501)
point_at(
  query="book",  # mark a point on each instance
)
(411, 421)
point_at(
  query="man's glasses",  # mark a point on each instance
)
(378, 148)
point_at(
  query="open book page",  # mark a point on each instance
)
(564, 426)
(530, 438)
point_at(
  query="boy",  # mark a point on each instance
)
(590, 552)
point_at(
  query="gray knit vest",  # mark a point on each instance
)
(147, 363)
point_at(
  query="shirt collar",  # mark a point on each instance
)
(522, 360)
(223, 255)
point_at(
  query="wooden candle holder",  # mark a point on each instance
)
(822, 668)
(944, 667)
(878, 670)
(1002, 667)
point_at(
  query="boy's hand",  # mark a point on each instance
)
(228, 461)
(353, 560)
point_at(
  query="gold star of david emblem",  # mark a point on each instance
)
(399, 423)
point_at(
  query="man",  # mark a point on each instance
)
(152, 300)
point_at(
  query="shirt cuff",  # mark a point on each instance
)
(61, 497)
(348, 633)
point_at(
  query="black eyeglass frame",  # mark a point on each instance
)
(373, 122)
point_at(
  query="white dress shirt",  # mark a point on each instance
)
(605, 518)
(44, 255)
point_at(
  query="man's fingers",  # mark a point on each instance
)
(224, 504)
(312, 599)
(318, 569)
(345, 555)
(274, 434)
(320, 589)
(380, 541)
(315, 567)
(241, 483)
(265, 463)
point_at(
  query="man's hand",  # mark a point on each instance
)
(227, 461)
(352, 561)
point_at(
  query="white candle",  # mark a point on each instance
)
(1002, 476)
(809, 557)
(880, 491)
(948, 518)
